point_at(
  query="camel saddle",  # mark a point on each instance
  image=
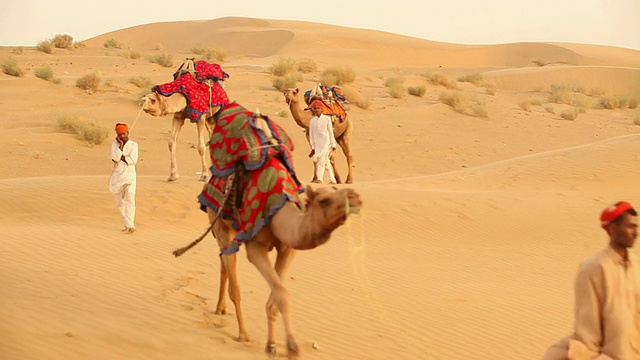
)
(332, 98)
(257, 161)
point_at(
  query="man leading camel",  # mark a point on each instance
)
(124, 154)
(323, 143)
(607, 296)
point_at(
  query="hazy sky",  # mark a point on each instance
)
(604, 22)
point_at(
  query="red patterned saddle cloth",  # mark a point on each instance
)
(264, 174)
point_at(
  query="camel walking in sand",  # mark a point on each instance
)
(253, 199)
(341, 130)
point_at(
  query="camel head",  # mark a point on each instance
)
(291, 95)
(331, 206)
(158, 105)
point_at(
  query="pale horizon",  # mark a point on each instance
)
(609, 23)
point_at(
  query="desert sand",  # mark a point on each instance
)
(466, 248)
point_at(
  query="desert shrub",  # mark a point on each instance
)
(89, 131)
(164, 60)
(489, 88)
(112, 43)
(479, 110)
(79, 44)
(44, 73)
(282, 67)
(536, 102)
(570, 114)
(634, 102)
(356, 98)
(46, 46)
(130, 54)
(622, 102)
(560, 94)
(140, 81)
(455, 99)
(307, 65)
(609, 102)
(475, 78)
(419, 90)
(281, 83)
(596, 92)
(342, 75)
(19, 50)
(328, 79)
(210, 54)
(525, 105)
(63, 41)
(581, 101)
(636, 119)
(549, 108)
(464, 105)
(395, 86)
(580, 89)
(441, 79)
(10, 67)
(89, 82)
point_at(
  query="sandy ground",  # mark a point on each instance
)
(466, 248)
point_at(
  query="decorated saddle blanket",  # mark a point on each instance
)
(263, 169)
(332, 98)
(200, 94)
(201, 70)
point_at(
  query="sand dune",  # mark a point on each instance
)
(466, 248)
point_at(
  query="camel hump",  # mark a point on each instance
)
(187, 67)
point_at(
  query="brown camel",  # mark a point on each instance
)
(159, 105)
(254, 183)
(341, 130)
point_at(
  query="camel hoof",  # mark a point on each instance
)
(292, 349)
(172, 178)
(270, 349)
(243, 337)
(349, 181)
(221, 311)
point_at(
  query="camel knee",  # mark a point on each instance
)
(171, 144)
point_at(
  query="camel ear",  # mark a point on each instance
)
(296, 91)
(310, 193)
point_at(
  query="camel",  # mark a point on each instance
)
(341, 130)
(253, 178)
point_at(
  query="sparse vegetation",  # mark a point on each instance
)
(536, 102)
(46, 73)
(282, 67)
(140, 81)
(570, 114)
(549, 108)
(395, 86)
(130, 54)
(79, 44)
(636, 119)
(634, 102)
(164, 60)
(338, 75)
(560, 94)
(307, 66)
(62, 41)
(281, 83)
(19, 50)
(89, 131)
(609, 102)
(460, 103)
(455, 99)
(441, 79)
(112, 43)
(10, 67)
(538, 62)
(489, 88)
(89, 82)
(418, 91)
(356, 98)
(525, 105)
(475, 78)
(210, 54)
(46, 46)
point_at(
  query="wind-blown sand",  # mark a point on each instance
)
(466, 248)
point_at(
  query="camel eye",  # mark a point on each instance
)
(324, 202)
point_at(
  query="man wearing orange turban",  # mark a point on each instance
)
(607, 296)
(124, 154)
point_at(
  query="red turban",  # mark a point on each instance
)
(612, 212)
(316, 103)
(121, 128)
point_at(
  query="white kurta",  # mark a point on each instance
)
(123, 180)
(322, 142)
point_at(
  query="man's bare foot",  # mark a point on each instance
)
(317, 181)
(130, 230)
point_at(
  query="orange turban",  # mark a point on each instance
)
(121, 128)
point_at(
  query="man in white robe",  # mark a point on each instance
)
(323, 143)
(124, 154)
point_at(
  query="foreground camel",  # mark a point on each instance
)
(158, 105)
(341, 130)
(254, 184)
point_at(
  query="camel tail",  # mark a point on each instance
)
(195, 242)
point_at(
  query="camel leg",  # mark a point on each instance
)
(283, 261)
(315, 163)
(258, 255)
(221, 307)
(345, 143)
(176, 126)
(224, 234)
(203, 131)
(332, 160)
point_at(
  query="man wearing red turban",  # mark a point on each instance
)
(607, 296)
(124, 154)
(322, 141)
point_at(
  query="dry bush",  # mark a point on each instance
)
(282, 83)
(10, 67)
(307, 66)
(609, 102)
(622, 102)
(536, 102)
(79, 44)
(395, 86)
(525, 105)
(19, 50)
(580, 89)
(89, 131)
(597, 92)
(46, 46)
(489, 88)
(538, 62)
(210, 54)
(538, 88)
(479, 110)
(62, 41)
(570, 114)
(110, 82)
(328, 79)
(634, 102)
(455, 99)
(140, 81)
(282, 67)
(636, 119)
(112, 43)
(581, 101)
(442, 79)
(165, 60)
(418, 91)
(89, 82)
(130, 54)
(44, 73)
(343, 75)
(560, 94)
(549, 108)
(356, 98)
(475, 78)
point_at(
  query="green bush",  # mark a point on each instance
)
(89, 131)
(46, 46)
(63, 41)
(10, 67)
(164, 60)
(89, 82)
